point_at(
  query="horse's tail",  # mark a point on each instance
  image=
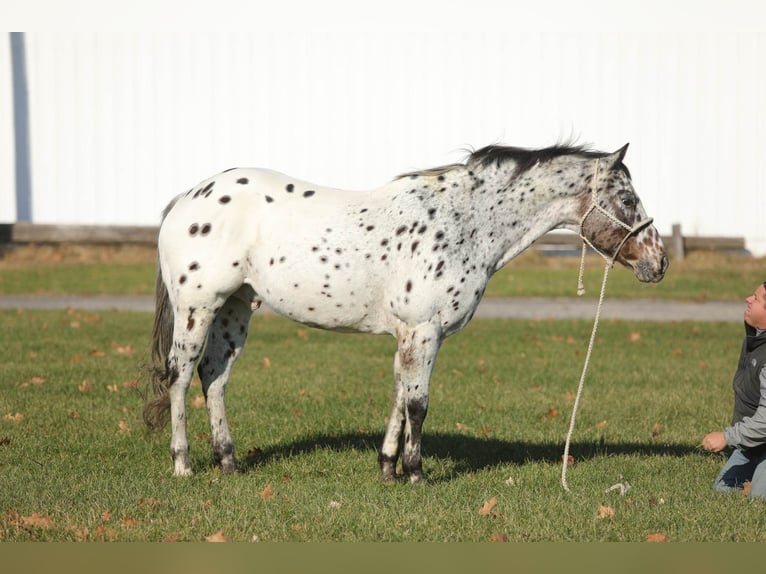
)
(157, 409)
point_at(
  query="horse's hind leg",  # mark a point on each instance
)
(189, 332)
(225, 342)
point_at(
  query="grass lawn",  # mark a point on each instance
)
(702, 276)
(308, 408)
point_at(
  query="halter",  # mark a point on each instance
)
(609, 263)
(595, 206)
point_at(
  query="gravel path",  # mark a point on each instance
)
(516, 308)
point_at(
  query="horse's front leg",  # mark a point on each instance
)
(389, 452)
(415, 360)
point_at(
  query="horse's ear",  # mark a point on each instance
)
(622, 151)
(615, 159)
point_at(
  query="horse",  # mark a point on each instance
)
(411, 259)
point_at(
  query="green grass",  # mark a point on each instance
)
(78, 465)
(701, 277)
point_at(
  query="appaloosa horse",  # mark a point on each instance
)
(411, 259)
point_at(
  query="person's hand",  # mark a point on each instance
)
(714, 442)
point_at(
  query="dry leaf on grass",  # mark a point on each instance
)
(656, 430)
(657, 537)
(198, 402)
(17, 418)
(487, 507)
(498, 537)
(36, 520)
(552, 413)
(218, 536)
(605, 512)
(634, 337)
(123, 349)
(266, 492)
(85, 387)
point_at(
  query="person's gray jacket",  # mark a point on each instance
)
(748, 425)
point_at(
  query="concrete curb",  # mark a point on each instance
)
(507, 308)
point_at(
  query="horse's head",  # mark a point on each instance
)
(615, 223)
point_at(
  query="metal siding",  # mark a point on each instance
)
(122, 122)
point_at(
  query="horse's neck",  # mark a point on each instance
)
(515, 212)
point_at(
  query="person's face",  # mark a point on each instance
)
(755, 313)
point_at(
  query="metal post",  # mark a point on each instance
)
(21, 128)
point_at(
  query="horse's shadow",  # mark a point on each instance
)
(467, 454)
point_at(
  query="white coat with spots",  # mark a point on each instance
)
(411, 259)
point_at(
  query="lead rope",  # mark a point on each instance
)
(609, 263)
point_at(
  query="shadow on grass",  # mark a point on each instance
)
(468, 454)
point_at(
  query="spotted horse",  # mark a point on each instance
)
(411, 259)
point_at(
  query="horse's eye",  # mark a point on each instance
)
(629, 201)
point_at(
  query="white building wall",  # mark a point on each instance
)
(122, 122)
(7, 155)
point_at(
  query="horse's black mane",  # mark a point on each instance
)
(524, 158)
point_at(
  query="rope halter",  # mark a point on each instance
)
(609, 263)
(595, 206)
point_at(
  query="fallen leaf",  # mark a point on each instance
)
(746, 488)
(552, 413)
(172, 538)
(487, 507)
(605, 512)
(656, 430)
(124, 427)
(570, 460)
(266, 492)
(484, 431)
(267, 363)
(334, 504)
(75, 415)
(198, 402)
(601, 425)
(461, 426)
(129, 521)
(570, 396)
(106, 516)
(17, 418)
(37, 380)
(208, 503)
(634, 337)
(657, 537)
(76, 358)
(302, 334)
(218, 536)
(677, 352)
(150, 502)
(498, 537)
(75, 324)
(81, 535)
(131, 384)
(85, 386)
(97, 354)
(113, 388)
(36, 520)
(123, 349)
(457, 373)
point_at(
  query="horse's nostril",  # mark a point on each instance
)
(664, 264)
